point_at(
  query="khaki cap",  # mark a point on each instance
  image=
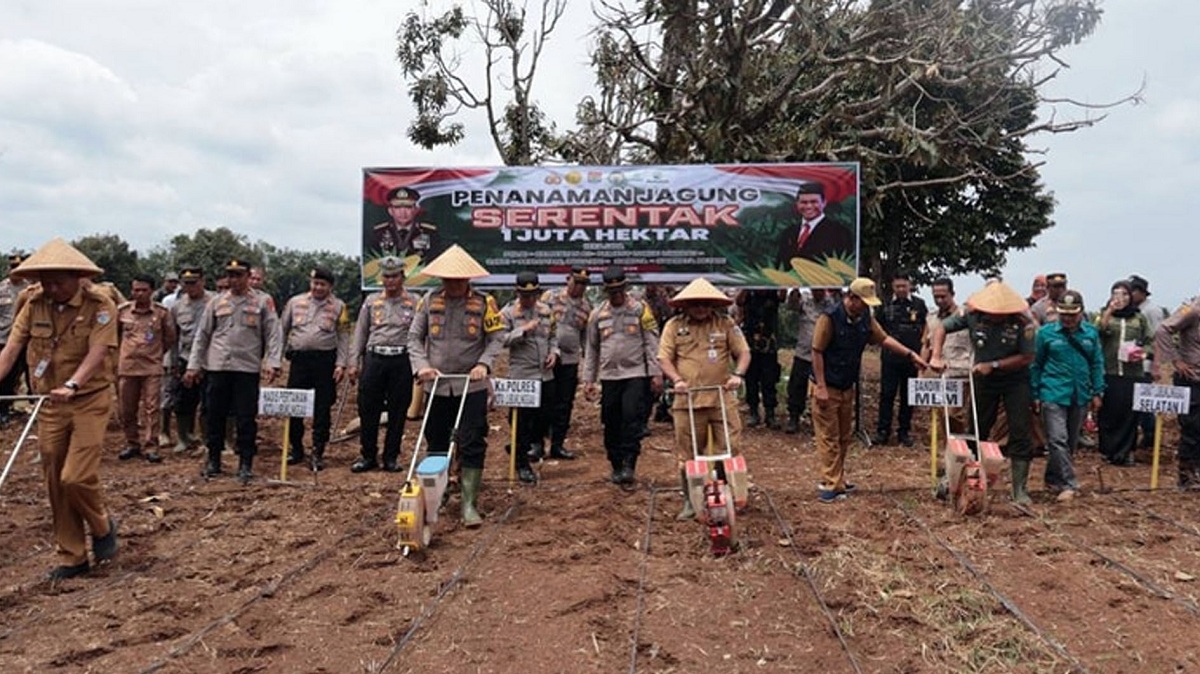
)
(57, 255)
(864, 289)
(455, 263)
(700, 290)
(998, 298)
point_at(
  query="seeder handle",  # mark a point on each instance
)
(728, 453)
(37, 407)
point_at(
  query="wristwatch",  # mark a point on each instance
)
(71, 384)
(995, 365)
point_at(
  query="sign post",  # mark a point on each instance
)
(286, 402)
(935, 394)
(515, 394)
(1158, 400)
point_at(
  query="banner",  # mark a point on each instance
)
(746, 225)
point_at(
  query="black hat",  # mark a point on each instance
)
(403, 194)
(614, 278)
(1138, 283)
(811, 188)
(1056, 278)
(239, 266)
(321, 273)
(191, 274)
(580, 274)
(527, 282)
(15, 260)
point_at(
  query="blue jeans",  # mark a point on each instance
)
(1062, 424)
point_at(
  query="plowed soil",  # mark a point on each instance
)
(577, 575)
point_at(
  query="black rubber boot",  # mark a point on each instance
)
(245, 472)
(213, 467)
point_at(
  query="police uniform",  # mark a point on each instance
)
(1177, 339)
(903, 319)
(529, 351)
(236, 334)
(60, 339)
(621, 353)
(380, 349)
(145, 335)
(187, 313)
(760, 324)
(10, 289)
(570, 317)
(413, 238)
(316, 338)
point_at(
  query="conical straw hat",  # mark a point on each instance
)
(455, 263)
(998, 298)
(57, 255)
(700, 290)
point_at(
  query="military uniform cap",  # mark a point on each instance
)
(1056, 278)
(1070, 303)
(57, 255)
(700, 290)
(170, 276)
(14, 260)
(455, 263)
(998, 298)
(614, 278)
(238, 265)
(580, 274)
(405, 195)
(527, 282)
(391, 266)
(321, 273)
(191, 274)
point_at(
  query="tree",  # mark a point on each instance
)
(209, 249)
(112, 254)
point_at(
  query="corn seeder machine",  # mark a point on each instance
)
(717, 484)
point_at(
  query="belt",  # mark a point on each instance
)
(388, 350)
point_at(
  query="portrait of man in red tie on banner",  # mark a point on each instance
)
(814, 235)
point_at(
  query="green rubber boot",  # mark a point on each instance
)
(471, 477)
(1020, 477)
(186, 423)
(688, 513)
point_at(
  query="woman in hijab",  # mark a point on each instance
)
(1126, 338)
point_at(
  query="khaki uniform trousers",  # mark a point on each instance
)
(833, 428)
(139, 406)
(708, 420)
(71, 439)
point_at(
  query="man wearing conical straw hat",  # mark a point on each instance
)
(702, 347)
(1003, 337)
(457, 330)
(70, 330)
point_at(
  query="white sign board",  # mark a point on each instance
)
(1161, 399)
(286, 402)
(935, 392)
(517, 392)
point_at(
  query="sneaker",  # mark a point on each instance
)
(830, 496)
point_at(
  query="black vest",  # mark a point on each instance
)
(843, 356)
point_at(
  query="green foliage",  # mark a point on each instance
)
(112, 254)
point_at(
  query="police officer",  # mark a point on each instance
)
(146, 333)
(401, 234)
(698, 348)
(1177, 343)
(760, 324)
(316, 338)
(457, 330)
(380, 351)
(621, 353)
(237, 333)
(187, 312)
(70, 330)
(532, 343)
(1004, 347)
(571, 308)
(903, 317)
(10, 289)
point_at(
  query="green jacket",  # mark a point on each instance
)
(1060, 374)
(1135, 328)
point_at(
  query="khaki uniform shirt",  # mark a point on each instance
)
(9, 290)
(621, 342)
(527, 351)
(309, 324)
(60, 336)
(383, 321)
(188, 313)
(1184, 325)
(704, 354)
(236, 333)
(145, 335)
(453, 336)
(571, 316)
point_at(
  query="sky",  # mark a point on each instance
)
(149, 119)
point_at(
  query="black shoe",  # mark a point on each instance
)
(318, 459)
(561, 453)
(880, 438)
(129, 452)
(625, 476)
(537, 452)
(772, 424)
(213, 467)
(526, 475)
(906, 440)
(296, 456)
(391, 466)
(153, 457)
(792, 427)
(65, 572)
(753, 420)
(363, 465)
(4, 419)
(105, 547)
(245, 474)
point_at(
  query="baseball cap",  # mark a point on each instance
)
(864, 289)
